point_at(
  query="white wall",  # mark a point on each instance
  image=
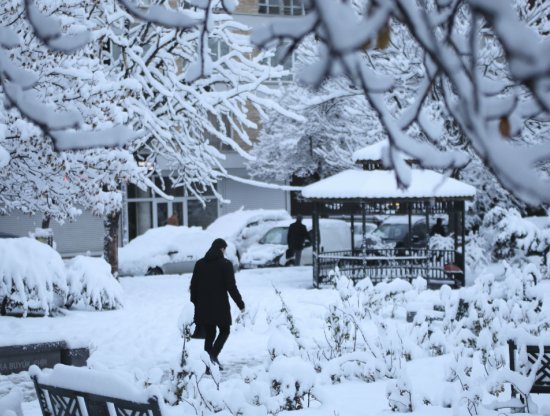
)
(249, 197)
(86, 234)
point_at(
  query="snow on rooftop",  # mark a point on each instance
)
(381, 184)
(373, 152)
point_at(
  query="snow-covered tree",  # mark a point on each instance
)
(149, 70)
(463, 44)
(335, 125)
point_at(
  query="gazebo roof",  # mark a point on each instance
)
(381, 184)
(373, 152)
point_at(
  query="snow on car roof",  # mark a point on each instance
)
(381, 184)
(153, 248)
(229, 225)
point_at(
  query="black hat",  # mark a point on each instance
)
(219, 243)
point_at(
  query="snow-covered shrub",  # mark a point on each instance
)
(510, 236)
(398, 393)
(477, 254)
(32, 277)
(282, 343)
(439, 242)
(292, 382)
(182, 374)
(91, 283)
(339, 330)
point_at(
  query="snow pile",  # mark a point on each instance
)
(10, 404)
(90, 282)
(36, 286)
(168, 244)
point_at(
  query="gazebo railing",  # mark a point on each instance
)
(436, 266)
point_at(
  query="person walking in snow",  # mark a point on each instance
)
(213, 278)
(296, 237)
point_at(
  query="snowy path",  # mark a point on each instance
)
(143, 337)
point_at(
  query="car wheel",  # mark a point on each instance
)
(154, 271)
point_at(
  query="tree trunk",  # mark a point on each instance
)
(110, 241)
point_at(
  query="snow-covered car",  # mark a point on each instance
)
(246, 227)
(395, 229)
(271, 248)
(358, 232)
(168, 250)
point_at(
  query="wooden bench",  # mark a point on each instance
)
(62, 401)
(542, 377)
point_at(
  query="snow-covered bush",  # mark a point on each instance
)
(90, 282)
(32, 277)
(477, 254)
(510, 236)
(398, 393)
(292, 382)
(439, 242)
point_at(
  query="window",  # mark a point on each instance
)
(276, 235)
(147, 209)
(218, 48)
(281, 7)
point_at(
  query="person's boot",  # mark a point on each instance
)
(214, 360)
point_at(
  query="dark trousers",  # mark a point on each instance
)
(214, 347)
(297, 256)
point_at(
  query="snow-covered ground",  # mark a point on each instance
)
(142, 341)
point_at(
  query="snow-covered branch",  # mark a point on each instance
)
(491, 59)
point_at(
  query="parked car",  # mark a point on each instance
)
(246, 227)
(168, 250)
(394, 231)
(358, 232)
(271, 248)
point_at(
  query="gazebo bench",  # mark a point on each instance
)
(63, 401)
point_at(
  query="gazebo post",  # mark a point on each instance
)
(364, 231)
(352, 234)
(316, 243)
(427, 212)
(409, 213)
(463, 243)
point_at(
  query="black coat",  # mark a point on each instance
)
(297, 235)
(213, 278)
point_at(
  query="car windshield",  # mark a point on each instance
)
(369, 227)
(275, 236)
(394, 232)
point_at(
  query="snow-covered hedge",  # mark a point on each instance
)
(35, 280)
(32, 277)
(90, 282)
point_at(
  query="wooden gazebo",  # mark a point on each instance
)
(360, 193)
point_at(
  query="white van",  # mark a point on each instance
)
(271, 248)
